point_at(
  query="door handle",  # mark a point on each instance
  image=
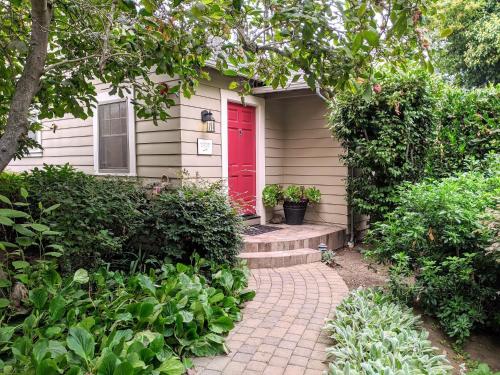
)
(241, 132)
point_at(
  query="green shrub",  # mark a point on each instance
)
(482, 369)
(373, 335)
(105, 322)
(97, 216)
(194, 218)
(386, 137)
(438, 232)
(415, 127)
(468, 130)
(436, 218)
(113, 221)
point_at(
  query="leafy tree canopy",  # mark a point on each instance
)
(54, 51)
(471, 53)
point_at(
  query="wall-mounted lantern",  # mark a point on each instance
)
(208, 118)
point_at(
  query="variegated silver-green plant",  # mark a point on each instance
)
(373, 335)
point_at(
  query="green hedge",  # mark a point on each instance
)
(439, 233)
(386, 137)
(117, 222)
(373, 335)
(195, 218)
(415, 127)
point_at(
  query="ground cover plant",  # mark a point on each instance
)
(442, 243)
(107, 322)
(373, 335)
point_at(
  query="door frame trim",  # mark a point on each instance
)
(228, 96)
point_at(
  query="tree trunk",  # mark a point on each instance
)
(29, 82)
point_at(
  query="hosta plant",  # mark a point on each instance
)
(373, 335)
(109, 323)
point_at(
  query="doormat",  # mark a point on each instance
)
(255, 230)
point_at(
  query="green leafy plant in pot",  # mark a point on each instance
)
(295, 200)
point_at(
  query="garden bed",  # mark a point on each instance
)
(357, 272)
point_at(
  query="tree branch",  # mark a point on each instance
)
(80, 59)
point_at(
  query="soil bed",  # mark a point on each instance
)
(358, 272)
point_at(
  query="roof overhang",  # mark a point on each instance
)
(300, 85)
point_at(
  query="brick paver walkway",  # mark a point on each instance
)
(281, 330)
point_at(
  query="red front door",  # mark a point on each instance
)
(241, 156)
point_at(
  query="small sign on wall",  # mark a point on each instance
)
(205, 146)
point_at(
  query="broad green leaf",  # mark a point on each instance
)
(81, 343)
(47, 367)
(247, 296)
(186, 316)
(172, 366)
(4, 302)
(225, 278)
(21, 229)
(145, 311)
(4, 283)
(146, 282)
(216, 298)
(372, 37)
(108, 364)
(230, 72)
(57, 307)
(52, 331)
(6, 333)
(4, 199)
(56, 349)
(6, 221)
(81, 276)
(8, 212)
(24, 241)
(20, 264)
(40, 350)
(124, 368)
(38, 297)
(221, 324)
(24, 193)
(39, 227)
(233, 85)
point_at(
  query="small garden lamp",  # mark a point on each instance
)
(208, 118)
(322, 247)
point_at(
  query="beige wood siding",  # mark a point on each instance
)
(300, 150)
(207, 97)
(158, 147)
(298, 147)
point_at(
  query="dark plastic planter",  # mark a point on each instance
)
(294, 212)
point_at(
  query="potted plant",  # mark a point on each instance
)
(295, 200)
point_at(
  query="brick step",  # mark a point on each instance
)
(291, 237)
(278, 259)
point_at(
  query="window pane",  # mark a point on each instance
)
(113, 137)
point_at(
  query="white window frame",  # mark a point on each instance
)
(228, 96)
(36, 152)
(105, 98)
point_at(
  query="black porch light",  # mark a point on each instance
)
(208, 118)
